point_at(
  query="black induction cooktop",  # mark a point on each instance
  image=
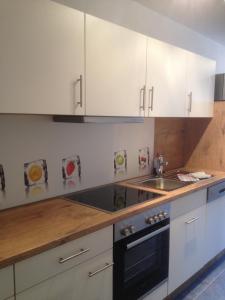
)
(112, 197)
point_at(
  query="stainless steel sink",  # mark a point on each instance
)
(163, 184)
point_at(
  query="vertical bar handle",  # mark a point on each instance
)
(151, 98)
(142, 96)
(80, 80)
(190, 102)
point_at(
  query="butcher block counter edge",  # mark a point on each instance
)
(29, 230)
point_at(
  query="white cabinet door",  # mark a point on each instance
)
(166, 80)
(76, 283)
(6, 283)
(115, 69)
(41, 57)
(215, 227)
(187, 247)
(200, 86)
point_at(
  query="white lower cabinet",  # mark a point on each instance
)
(187, 243)
(6, 283)
(91, 280)
(215, 227)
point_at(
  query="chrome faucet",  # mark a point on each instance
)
(158, 165)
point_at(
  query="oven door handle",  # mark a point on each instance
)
(147, 237)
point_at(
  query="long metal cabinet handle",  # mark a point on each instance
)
(192, 220)
(190, 102)
(150, 99)
(82, 251)
(222, 191)
(107, 265)
(142, 96)
(147, 237)
(80, 80)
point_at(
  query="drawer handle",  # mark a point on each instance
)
(222, 191)
(107, 265)
(192, 220)
(82, 251)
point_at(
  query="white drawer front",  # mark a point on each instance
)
(77, 283)
(6, 283)
(188, 203)
(47, 264)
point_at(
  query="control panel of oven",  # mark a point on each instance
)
(140, 221)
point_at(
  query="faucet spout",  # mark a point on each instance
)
(158, 164)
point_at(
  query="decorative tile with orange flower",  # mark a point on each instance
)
(35, 173)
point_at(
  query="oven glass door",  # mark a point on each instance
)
(141, 261)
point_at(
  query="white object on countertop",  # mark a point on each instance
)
(201, 175)
(187, 178)
(193, 177)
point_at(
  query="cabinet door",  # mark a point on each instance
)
(77, 283)
(187, 247)
(6, 283)
(115, 69)
(41, 57)
(200, 86)
(215, 224)
(166, 80)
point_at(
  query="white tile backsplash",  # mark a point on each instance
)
(28, 138)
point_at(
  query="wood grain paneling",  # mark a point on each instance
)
(205, 141)
(169, 141)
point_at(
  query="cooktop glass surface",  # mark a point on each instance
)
(112, 197)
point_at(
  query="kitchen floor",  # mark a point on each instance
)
(210, 286)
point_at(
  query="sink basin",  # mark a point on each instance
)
(163, 184)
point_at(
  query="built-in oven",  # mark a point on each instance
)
(141, 253)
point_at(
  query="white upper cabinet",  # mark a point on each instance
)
(47, 48)
(200, 86)
(166, 80)
(115, 69)
(41, 57)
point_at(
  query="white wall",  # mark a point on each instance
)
(137, 17)
(29, 138)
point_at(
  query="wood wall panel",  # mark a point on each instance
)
(193, 142)
(169, 141)
(205, 141)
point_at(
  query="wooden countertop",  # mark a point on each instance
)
(31, 229)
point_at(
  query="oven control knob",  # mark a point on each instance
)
(132, 229)
(125, 231)
(156, 218)
(165, 214)
(149, 220)
(161, 216)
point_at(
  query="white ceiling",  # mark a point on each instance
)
(204, 16)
